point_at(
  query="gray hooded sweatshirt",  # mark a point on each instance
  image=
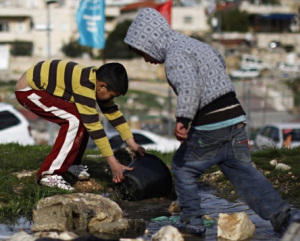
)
(195, 70)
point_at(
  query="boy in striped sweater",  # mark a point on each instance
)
(67, 93)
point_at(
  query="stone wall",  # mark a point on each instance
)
(137, 69)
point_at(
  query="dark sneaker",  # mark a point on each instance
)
(293, 216)
(79, 172)
(193, 226)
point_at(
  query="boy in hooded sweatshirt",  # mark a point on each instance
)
(210, 123)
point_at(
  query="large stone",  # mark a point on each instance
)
(82, 212)
(21, 236)
(167, 233)
(174, 207)
(122, 227)
(236, 226)
(292, 233)
(66, 235)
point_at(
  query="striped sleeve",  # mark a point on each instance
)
(116, 119)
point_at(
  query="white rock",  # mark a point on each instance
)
(167, 233)
(21, 236)
(130, 239)
(67, 235)
(283, 167)
(236, 226)
(293, 233)
(56, 235)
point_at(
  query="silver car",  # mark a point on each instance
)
(278, 135)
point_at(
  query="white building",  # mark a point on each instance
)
(27, 20)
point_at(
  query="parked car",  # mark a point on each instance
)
(285, 67)
(278, 135)
(14, 127)
(245, 73)
(252, 61)
(149, 140)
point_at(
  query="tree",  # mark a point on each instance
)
(294, 86)
(21, 48)
(74, 49)
(115, 46)
(271, 2)
(234, 20)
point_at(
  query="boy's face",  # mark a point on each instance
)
(146, 57)
(103, 94)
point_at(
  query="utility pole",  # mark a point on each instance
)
(170, 127)
(49, 2)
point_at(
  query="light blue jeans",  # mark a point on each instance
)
(228, 148)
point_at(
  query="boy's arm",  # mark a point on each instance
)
(135, 147)
(117, 169)
(117, 120)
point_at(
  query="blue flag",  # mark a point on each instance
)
(91, 23)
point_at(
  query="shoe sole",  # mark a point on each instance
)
(48, 185)
(82, 178)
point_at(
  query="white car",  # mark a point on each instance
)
(252, 61)
(275, 135)
(245, 73)
(147, 139)
(14, 127)
(285, 67)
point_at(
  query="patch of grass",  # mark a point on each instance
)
(139, 103)
(18, 196)
(8, 86)
(286, 182)
(7, 92)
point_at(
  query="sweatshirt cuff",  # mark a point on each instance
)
(185, 121)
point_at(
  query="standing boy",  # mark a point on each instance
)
(210, 122)
(67, 93)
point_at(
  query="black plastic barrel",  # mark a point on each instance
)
(150, 178)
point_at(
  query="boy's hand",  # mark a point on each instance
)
(135, 147)
(117, 169)
(180, 132)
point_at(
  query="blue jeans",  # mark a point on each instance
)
(228, 148)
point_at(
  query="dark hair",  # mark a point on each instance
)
(115, 76)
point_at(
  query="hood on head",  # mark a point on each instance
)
(149, 33)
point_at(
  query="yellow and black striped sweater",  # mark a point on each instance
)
(77, 83)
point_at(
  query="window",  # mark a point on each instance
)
(7, 120)
(274, 134)
(266, 131)
(4, 27)
(296, 135)
(62, 3)
(187, 19)
(20, 27)
(142, 140)
(294, 132)
(116, 142)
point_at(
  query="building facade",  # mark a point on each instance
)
(49, 24)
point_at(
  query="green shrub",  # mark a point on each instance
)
(21, 48)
